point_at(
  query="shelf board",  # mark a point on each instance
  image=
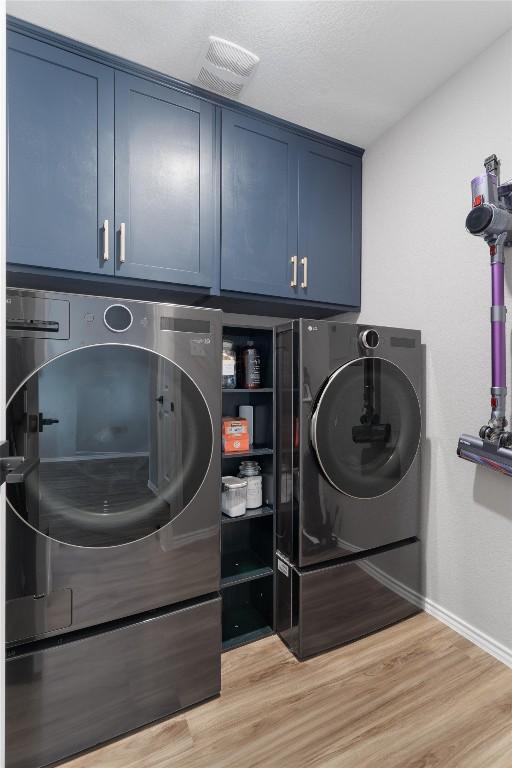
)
(250, 514)
(246, 637)
(242, 391)
(243, 624)
(254, 573)
(237, 567)
(251, 452)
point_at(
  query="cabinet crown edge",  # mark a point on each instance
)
(117, 62)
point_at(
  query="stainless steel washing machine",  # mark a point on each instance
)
(349, 427)
(113, 565)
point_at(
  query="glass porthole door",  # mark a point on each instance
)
(124, 440)
(366, 427)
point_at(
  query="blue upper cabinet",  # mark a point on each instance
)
(329, 224)
(163, 183)
(258, 207)
(61, 159)
(290, 216)
(117, 171)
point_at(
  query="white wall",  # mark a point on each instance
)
(422, 270)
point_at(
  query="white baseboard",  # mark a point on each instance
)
(474, 635)
(483, 641)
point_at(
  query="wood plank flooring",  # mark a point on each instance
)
(414, 696)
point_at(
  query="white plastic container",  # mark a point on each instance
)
(234, 496)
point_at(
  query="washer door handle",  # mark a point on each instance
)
(15, 469)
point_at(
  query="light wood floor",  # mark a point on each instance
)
(414, 696)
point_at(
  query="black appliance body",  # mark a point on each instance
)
(113, 541)
(349, 430)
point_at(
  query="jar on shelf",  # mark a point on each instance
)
(228, 365)
(234, 496)
(251, 471)
(251, 366)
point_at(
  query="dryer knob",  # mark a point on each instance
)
(369, 339)
(118, 318)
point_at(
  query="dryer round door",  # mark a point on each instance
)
(119, 440)
(366, 427)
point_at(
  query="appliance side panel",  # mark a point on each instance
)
(324, 347)
(127, 677)
(341, 603)
(284, 590)
(284, 441)
(296, 439)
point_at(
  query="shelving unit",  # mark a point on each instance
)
(247, 570)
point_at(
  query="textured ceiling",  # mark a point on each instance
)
(347, 69)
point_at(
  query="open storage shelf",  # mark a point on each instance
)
(247, 613)
(247, 551)
(247, 570)
(249, 515)
(264, 342)
(242, 566)
(240, 391)
(251, 452)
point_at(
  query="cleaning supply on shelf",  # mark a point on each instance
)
(235, 435)
(234, 496)
(251, 366)
(228, 365)
(251, 472)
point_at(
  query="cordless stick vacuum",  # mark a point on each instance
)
(491, 218)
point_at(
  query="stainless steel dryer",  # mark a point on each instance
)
(113, 566)
(349, 430)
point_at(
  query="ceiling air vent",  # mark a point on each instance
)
(226, 67)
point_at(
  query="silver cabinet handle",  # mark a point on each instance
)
(304, 263)
(122, 243)
(105, 240)
(293, 281)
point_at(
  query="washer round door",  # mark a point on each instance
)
(120, 440)
(366, 427)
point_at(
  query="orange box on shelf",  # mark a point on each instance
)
(235, 435)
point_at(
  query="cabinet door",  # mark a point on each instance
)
(164, 183)
(61, 158)
(329, 224)
(259, 207)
